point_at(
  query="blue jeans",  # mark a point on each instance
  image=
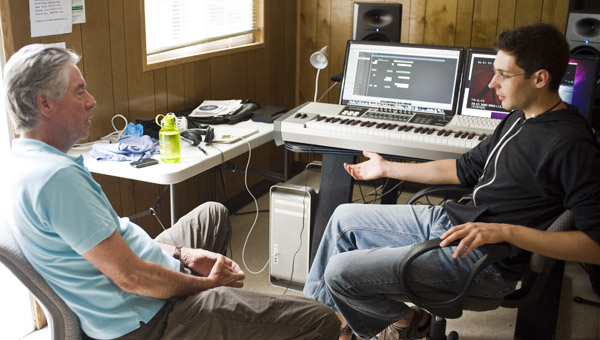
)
(358, 261)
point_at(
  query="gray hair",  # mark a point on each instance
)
(35, 69)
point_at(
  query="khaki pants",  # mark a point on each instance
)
(230, 313)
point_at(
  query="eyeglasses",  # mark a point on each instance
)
(503, 76)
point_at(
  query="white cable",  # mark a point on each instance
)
(255, 217)
(316, 84)
(329, 89)
(108, 137)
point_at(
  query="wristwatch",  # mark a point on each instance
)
(177, 253)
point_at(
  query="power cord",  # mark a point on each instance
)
(255, 217)
(307, 168)
(110, 138)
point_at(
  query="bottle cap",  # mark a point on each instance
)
(169, 121)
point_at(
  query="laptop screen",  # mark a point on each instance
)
(477, 99)
(402, 77)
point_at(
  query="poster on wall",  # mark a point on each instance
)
(50, 17)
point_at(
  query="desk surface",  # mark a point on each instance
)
(193, 161)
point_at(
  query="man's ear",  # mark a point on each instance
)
(542, 78)
(44, 104)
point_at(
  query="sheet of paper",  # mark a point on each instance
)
(50, 17)
(78, 11)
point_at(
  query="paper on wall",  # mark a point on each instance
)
(78, 11)
(50, 17)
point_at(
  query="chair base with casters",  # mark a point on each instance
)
(539, 291)
(63, 323)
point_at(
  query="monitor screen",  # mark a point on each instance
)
(579, 83)
(402, 77)
(477, 99)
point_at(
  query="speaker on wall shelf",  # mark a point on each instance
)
(377, 21)
(583, 32)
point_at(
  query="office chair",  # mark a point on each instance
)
(542, 270)
(63, 323)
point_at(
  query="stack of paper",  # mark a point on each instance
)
(210, 108)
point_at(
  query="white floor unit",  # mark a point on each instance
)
(292, 205)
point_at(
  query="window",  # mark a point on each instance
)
(178, 31)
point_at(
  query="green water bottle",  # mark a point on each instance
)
(169, 139)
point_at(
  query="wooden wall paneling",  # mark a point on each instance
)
(161, 100)
(323, 39)
(275, 61)
(19, 29)
(260, 81)
(417, 21)
(220, 77)
(308, 45)
(555, 12)
(528, 12)
(189, 83)
(506, 15)
(341, 32)
(405, 29)
(485, 21)
(126, 196)
(95, 37)
(253, 74)
(118, 59)
(111, 187)
(175, 88)
(440, 26)
(464, 22)
(6, 25)
(203, 80)
(239, 76)
(140, 84)
(289, 53)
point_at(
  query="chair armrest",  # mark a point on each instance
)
(494, 253)
(457, 191)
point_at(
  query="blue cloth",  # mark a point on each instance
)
(58, 212)
(359, 258)
(127, 148)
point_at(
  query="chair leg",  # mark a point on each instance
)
(437, 330)
(538, 319)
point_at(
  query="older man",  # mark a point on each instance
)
(118, 281)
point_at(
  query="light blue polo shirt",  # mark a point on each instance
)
(58, 212)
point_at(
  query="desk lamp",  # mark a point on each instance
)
(319, 61)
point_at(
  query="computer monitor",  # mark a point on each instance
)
(477, 99)
(417, 78)
(578, 86)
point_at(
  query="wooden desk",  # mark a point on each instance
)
(193, 161)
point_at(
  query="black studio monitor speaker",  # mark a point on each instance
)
(583, 27)
(377, 21)
(583, 33)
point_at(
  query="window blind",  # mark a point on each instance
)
(175, 24)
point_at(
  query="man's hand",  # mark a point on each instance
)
(215, 266)
(225, 273)
(473, 235)
(369, 169)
